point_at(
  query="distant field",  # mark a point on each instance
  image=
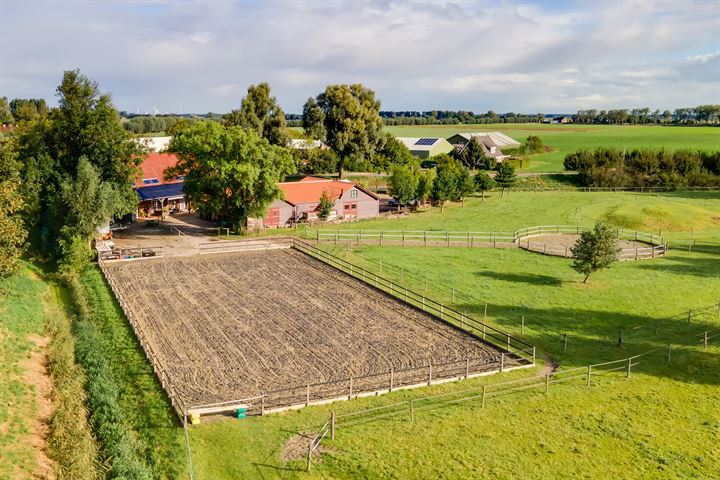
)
(568, 138)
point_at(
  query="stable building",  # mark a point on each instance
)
(492, 143)
(426, 147)
(159, 197)
(302, 200)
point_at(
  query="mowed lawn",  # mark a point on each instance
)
(568, 138)
(664, 422)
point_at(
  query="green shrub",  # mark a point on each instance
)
(118, 443)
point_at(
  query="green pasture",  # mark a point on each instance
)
(21, 318)
(617, 428)
(677, 215)
(568, 138)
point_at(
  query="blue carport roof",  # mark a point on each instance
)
(168, 190)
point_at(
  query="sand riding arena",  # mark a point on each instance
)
(275, 324)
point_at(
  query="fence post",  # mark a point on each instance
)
(669, 352)
(564, 342)
(309, 455)
(483, 396)
(502, 362)
(467, 366)
(689, 315)
(589, 373)
(619, 342)
(485, 314)
(533, 357)
(484, 327)
(412, 412)
(508, 343)
(381, 237)
(351, 385)
(547, 383)
(307, 395)
(429, 373)
(448, 238)
(332, 425)
(392, 378)
(262, 405)
(628, 366)
(522, 324)
(705, 339)
(442, 312)
(423, 303)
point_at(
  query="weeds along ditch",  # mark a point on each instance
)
(130, 414)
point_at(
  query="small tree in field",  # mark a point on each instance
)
(595, 249)
(505, 177)
(325, 207)
(484, 182)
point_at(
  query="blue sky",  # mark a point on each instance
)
(200, 56)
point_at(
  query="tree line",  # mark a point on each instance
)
(700, 115)
(645, 167)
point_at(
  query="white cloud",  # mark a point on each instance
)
(505, 56)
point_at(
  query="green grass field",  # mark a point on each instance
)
(618, 428)
(21, 317)
(568, 138)
(680, 215)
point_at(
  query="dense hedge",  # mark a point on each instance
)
(70, 443)
(119, 445)
(611, 167)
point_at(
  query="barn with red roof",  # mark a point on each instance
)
(158, 195)
(302, 199)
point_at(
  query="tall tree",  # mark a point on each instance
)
(261, 113)
(403, 184)
(595, 249)
(505, 176)
(12, 227)
(465, 185)
(313, 120)
(230, 173)
(85, 124)
(425, 185)
(445, 186)
(350, 121)
(6, 115)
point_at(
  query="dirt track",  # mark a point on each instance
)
(231, 326)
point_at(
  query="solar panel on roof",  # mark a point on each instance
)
(149, 181)
(426, 141)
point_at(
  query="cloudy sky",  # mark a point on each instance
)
(522, 56)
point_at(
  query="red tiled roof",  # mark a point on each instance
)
(310, 189)
(154, 166)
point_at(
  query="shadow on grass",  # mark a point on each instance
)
(687, 265)
(529, 278)
(598, 336)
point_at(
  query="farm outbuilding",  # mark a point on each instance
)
(426, 147)
(157, 195)
(302, 199)
(492, 143)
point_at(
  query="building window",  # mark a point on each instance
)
(353, 193)
(353, 206)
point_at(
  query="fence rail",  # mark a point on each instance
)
(489, 239)
(130, 252)
(479, 394)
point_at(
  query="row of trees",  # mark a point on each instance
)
(142, 124)
(450, 180)
(610, 167)
(700, 115)
(21, 109)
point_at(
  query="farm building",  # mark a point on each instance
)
(155, 144)
(157, 195)
(426, 147)
(491, 142)
(302, 200)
